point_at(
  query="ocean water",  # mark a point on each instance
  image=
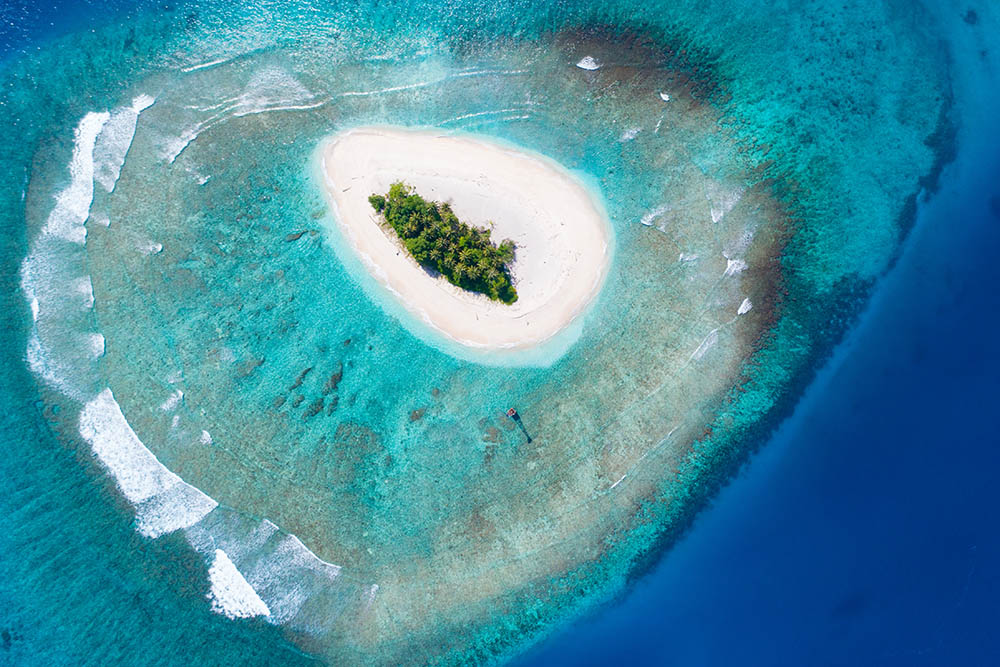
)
(226, 446)
(862, 533)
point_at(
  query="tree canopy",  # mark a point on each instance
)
(435, 237)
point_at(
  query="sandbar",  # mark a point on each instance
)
(560, 228)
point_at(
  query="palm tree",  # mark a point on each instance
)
(433, 234)
(411, 228)
(506, 251)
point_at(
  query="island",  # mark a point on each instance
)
(438, 240)
(559, 236)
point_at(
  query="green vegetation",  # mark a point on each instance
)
(438, 240)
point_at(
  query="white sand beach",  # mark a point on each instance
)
(561, 231)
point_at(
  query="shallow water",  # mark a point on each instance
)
(208, 375)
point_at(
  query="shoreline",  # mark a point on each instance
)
(561, 230)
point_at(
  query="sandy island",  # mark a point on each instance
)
(562, 233)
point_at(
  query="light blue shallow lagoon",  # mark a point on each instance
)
(225, 443)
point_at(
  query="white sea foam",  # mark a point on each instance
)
(44, 366)
(205, 438)
(430, 82)
(95, 343)
(115, 139)
(273, 85)
(478, 114)
(39, 272)
(687, 257)
(269, 89)
(711, 339)
(56, 351)
(211, 63)
(283, 576)
(57, 295)
(739, 245)
(163, 501)
(734, 266)
(649, 218)
(172, 147)
(51, 277)
(278, 574)
(223, 103)
(629, 134)
(588, 63)
(242, 538)
(505, 119)
(231, 594)
(299, 589)
(72, 207)
(150, 247)
(46, 278)
(201, 179)
(142, 102)
(175, 508)
(284, 107)
(172, 401)
(744, 307)
(717, 212)
(393, 89)
(722, 200)
(372, 592)
(85, 288)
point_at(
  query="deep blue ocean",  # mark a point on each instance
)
(862, 532)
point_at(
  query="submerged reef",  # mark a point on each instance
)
(204, 346)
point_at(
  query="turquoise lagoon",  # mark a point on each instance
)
(225, 445)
